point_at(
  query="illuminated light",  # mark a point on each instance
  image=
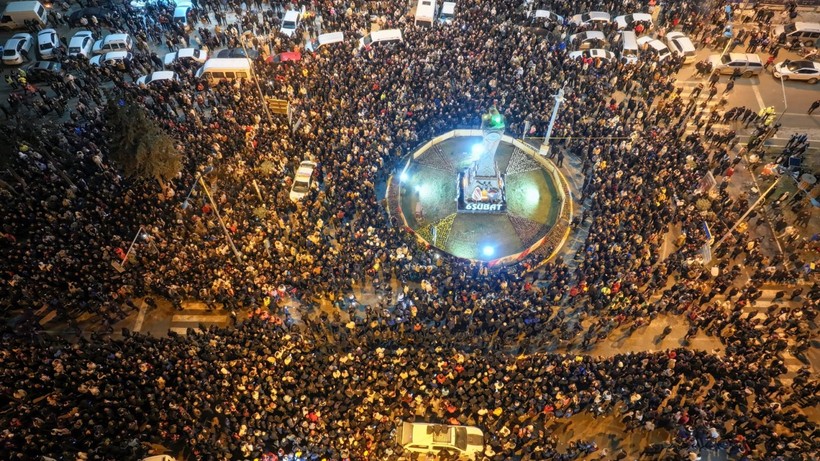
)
(496, 119)
(422, 189)
(488, 251)
(478, 149)
(403, 176)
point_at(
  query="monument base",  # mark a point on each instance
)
(481, 194)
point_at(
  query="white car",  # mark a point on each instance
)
(302, 181)
(661, 50)
(593, 53)
(16, 50)
(681, 46)
(593, 18)
(186, 54)
(629, 20)
(158, 76)
(807, 71)
(544, 17)
(584, 40)
(48, 43)
(463, 441)
(111, 58)
(81, 44)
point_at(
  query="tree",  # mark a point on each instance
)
(138, 144)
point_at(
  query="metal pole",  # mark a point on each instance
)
(742, 218)
(545, 146)
(130, 247)
(256, 80)
(222, 223)
(259, 194)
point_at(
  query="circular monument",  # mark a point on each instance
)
(482, 195)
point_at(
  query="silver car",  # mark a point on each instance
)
(807, 71)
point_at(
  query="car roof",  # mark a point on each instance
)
(161, 75)
(802, 63)
(186, 52)
(47, 31)
(639, 16)
(591, 34)
(21, 36)
(116, 54)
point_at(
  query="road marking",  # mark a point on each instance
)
(183, 331)
(194, 306)
(798, 114)
(140, 317)
(758, 96)
(200, 318)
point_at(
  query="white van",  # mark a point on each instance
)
(426, 13)
(217, 69)
(181, 17)
(381, 36)
(325, 39)
(290, 22)
(113, 42)
(448, 13)
(17, 13)
(629, 46)
(807, 32)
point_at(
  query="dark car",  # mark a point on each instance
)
(238, 53)
(43, 71)
(103, 15)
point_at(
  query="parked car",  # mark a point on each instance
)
(593, 18)
(159, 76)
(103, 16)
(237, 53)
(17, 48)
(588, 39)
(461, 442)
(661, 50)
(748, 64)
(544, 17)
(593, 53)
(302, 180)
(287, 56)
(81, 44)
(680, 45)
(112, 58)
(185, 54)
(629, 20)
(48, 43)
(807, 71)
(43, 71)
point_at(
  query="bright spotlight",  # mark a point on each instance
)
(488, 251)
(478, 149)
(403, 176)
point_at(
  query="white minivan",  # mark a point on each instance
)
(448, 12)
(426, 13)
(629, 46)
(290, 23)
(217, 69)
(381, 36)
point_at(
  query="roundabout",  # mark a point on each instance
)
(483, 198)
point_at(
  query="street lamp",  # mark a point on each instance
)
(256, 79)
(185, 205)
(545, 146)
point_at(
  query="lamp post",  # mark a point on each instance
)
(545, 146)
(200, 180)
(256, 80)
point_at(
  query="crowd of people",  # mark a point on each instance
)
(459, 344)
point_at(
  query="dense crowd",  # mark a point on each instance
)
(461, 344)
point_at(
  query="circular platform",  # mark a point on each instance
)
(538, 207)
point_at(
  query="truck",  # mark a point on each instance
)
(17, 13)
